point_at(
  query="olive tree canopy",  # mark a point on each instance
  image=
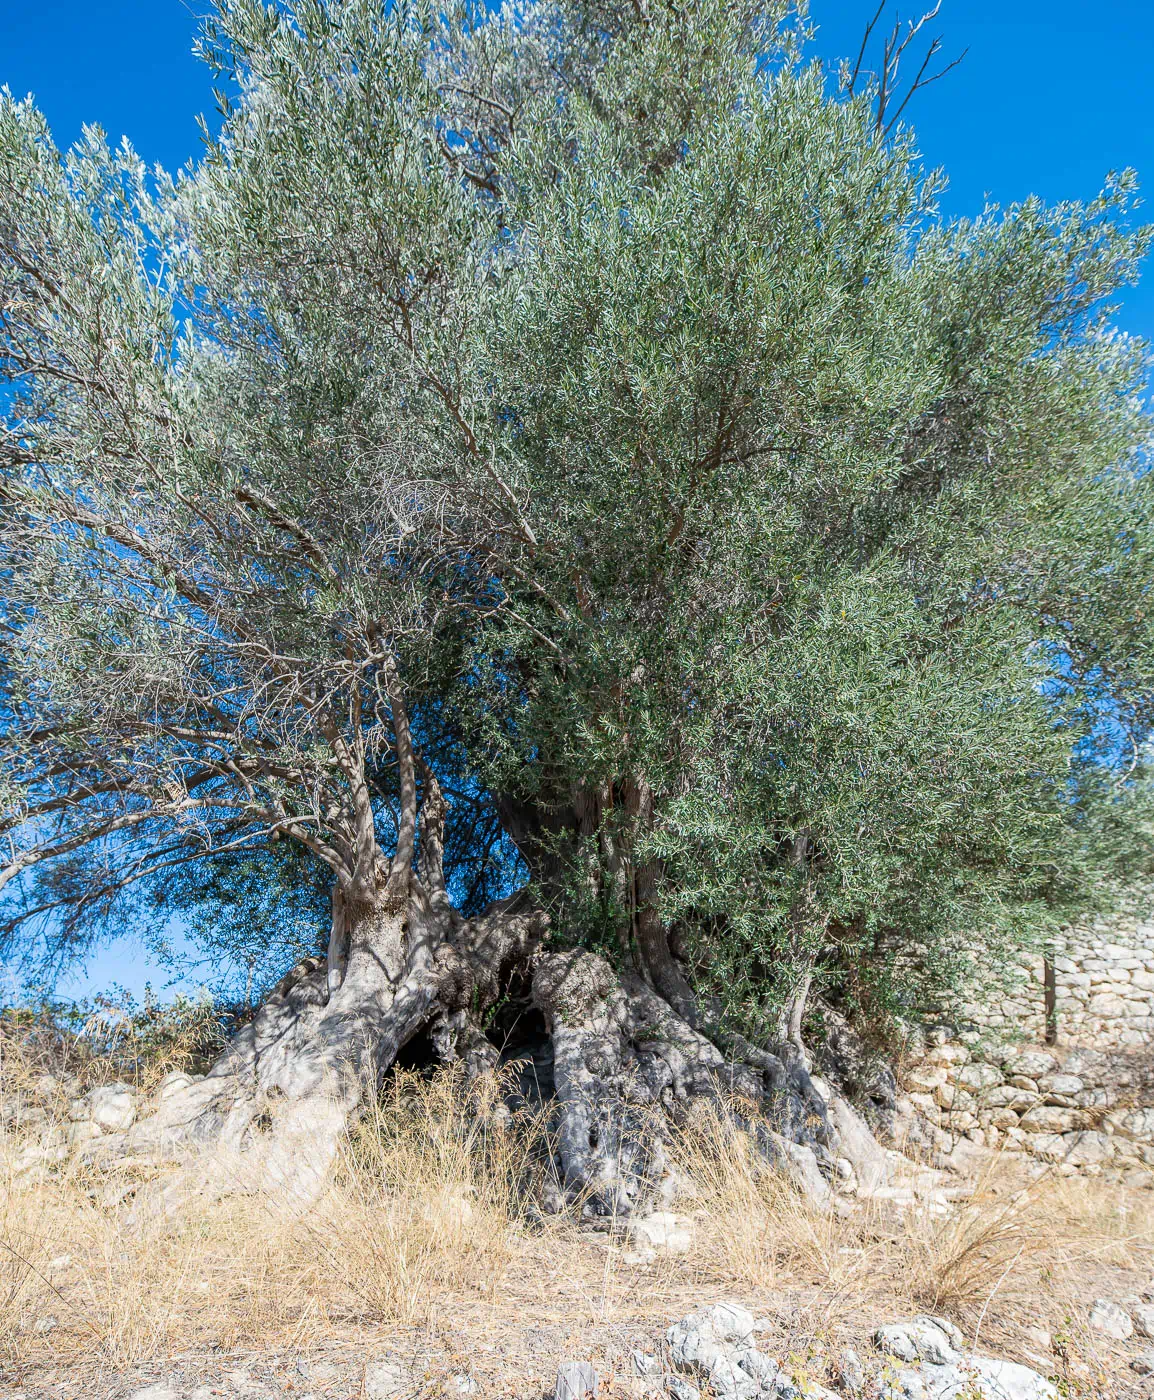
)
(568, 438)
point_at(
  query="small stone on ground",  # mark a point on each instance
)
(1111, 1319)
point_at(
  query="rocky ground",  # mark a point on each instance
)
(824, 1323)
(971, 1275)
(721, 1350)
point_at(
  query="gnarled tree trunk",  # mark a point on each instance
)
(626, 1066)
(286, 1086)
(629, 1058)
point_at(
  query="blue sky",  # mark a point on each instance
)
(1051, 95)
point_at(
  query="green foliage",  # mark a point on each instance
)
(250, 916)
(611, 379)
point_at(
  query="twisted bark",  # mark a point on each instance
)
(287, 1085)
(629, 1059)
(628, 1068)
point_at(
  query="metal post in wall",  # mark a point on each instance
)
(1050, 985)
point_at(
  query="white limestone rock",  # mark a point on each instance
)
(112, 1107)
(978, 1076)
(1033, 1063)
(936, 1368)
(1085, 1149)
(851, 1371)
(662, 1229)
(799, 1164)
(78, 1132)
(1049, 1147)
(716, 1344)
(1112, 1320)
(990, 1379)
(923, 1339)
(728, 1379)
(1136, 1124)
(858, 1145)
(1010, 1096)
(764, 1369)
(174, 1083)
(576, 1380)
(974, 1378)
(728, 1322)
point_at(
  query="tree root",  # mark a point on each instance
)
(627, 1069)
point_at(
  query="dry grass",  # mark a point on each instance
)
(426, 1201)
(1019, 1255)
(429, 1196)
(425, 1221)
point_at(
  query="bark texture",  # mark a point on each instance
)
(628, 1057)
(627, 1066)
(284, 1090)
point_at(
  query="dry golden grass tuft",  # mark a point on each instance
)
(426, 1200)
(424, 1226)
(429, 1195)
(757, 1225)
(1019, 1253)
(959, 1262)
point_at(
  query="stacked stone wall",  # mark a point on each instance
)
(1103, 982)
(1072, 1084)
(1077, 1106)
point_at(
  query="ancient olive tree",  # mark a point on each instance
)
(583, 412)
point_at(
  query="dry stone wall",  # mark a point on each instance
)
(1082, 1096)
(1078, 1107)
(1103, 983)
